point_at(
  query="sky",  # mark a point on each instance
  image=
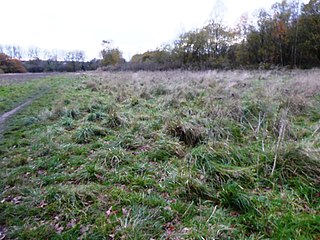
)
(134, 26)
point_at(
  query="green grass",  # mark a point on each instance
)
(13, 95)
(164, 155)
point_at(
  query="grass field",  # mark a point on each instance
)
(163, 155)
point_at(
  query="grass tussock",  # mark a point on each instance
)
(300, 161)
(233, 196)
(163, 155)
(189, 134)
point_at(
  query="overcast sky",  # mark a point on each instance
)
(134, 25)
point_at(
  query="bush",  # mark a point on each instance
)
(10, 65)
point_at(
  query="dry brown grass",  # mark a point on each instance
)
(224, 83)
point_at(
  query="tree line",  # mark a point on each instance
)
(287, 35)
(14, 58)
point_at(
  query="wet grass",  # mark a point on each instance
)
(170, 155)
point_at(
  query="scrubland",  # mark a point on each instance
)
(163, 155)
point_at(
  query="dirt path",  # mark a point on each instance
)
(7, 115)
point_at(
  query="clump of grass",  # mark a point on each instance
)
(111, 107)
(87, 132)
(190, 134)
(111, 157)
(91, 85)
(145, 95)
(173, 102)
(30, 120)
(296, 226)
(141, 222)
(159, 90)
(96, 116)
(134, 101)
(114, 120)
(300, 161)
(191, 95)
(297, 104)
(164, 150)
(72, 113)
(122, 96)
(88, 173)
(129, 141)
(233, 196)
(45, 115)
(219, 167)
(196, 190)
(59, 110)
(77, 195)
(68, 123)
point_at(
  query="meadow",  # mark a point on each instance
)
(162, 155)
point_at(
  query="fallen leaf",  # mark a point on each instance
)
(41, 172)
(17, 200)
(42, 204)
(58, 228)
(234, 214)
(99, 177)
(124, 211)
(3, 232)
(168, 208)
(170, 228)
(7, 199)
(72, 223)
(185, 230)
(84, 229)
(109, 212)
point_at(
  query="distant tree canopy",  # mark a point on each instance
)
(159, 59)
(10, 65)
(285, 36)
(110, 55)
(47, 61)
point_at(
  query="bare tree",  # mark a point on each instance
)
(34, 52)
(79, 55)
(9, 51)
(17, 51)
